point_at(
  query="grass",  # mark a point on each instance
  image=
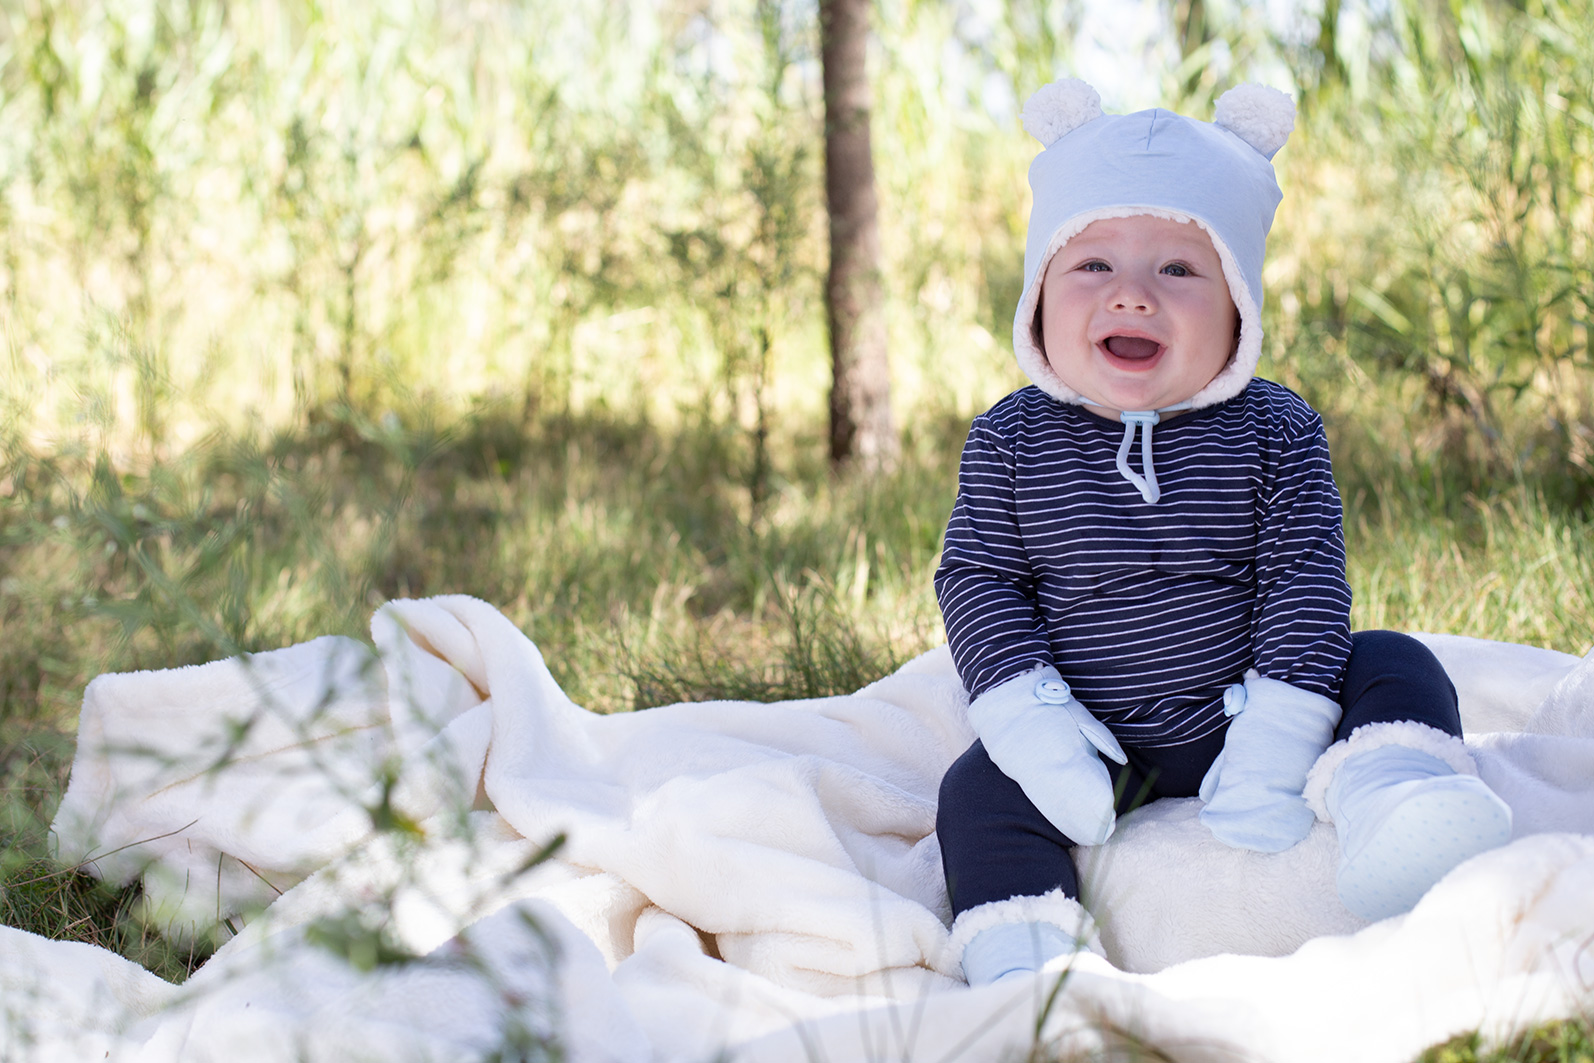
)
(38, 893)
(1568, 1041)
(599, 538)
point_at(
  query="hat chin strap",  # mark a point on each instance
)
(1143, 419)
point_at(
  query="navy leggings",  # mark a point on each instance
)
(995, 844)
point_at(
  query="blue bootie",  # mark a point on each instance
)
(1014, 949)
(1021, 935)
(1405, 818)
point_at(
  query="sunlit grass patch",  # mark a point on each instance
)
(1513, 569)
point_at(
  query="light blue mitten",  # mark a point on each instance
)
(1253, 790)
(1045, 741)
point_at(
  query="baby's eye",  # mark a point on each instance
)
(1176, 269)
(1096, 266)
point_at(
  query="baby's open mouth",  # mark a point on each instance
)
(1132, 348)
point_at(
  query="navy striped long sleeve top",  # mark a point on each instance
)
(1149, 611)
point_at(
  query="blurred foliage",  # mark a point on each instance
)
(285, 208)
(281, 214)
(1431, 280)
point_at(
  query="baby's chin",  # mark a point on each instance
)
(1140, 388)
(1114, 400)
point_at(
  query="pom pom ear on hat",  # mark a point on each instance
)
(1262, 117)
(1058, 109)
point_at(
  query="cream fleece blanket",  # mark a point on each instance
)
(755, 880)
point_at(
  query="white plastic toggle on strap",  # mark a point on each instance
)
(1053, 692)
(1147, 484)
(1057, 692)
(1234, 699)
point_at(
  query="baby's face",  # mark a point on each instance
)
(1135, 313)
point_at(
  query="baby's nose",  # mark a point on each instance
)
(1131, 296)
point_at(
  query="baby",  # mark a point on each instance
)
(1188, 620)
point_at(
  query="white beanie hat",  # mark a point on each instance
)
(1217, 174)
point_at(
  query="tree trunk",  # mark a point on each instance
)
(860, 392)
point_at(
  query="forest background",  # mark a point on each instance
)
(305, 307)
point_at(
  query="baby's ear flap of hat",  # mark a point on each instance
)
(1058, 109)
(1263, 117)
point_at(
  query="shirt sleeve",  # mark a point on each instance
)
(1301, 627)
(984, 583)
